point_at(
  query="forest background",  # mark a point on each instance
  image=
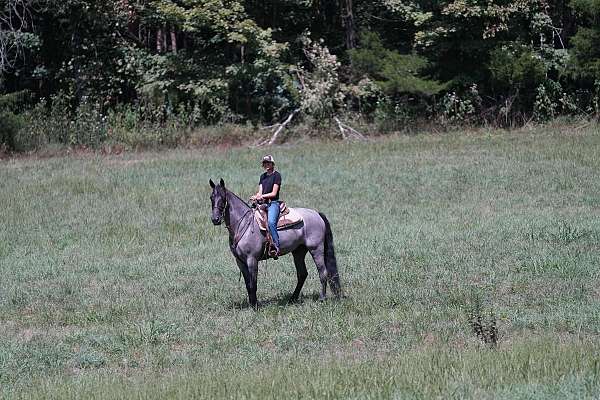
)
(146, 73)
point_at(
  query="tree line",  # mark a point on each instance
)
(72, 69)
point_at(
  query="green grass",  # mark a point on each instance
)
(116, 285)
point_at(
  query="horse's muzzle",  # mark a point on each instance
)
(216, 221)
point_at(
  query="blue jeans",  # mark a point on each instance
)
(273, 213)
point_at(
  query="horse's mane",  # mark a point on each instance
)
(237, 197)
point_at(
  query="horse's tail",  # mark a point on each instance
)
(330, 261)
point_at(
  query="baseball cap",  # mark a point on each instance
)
(268, 158)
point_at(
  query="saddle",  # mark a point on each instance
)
(288, 217)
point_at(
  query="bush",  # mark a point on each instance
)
(10, 125)
(10, 121)
(321, 94)
(460, 109)
(53, 122)
(396, 74)
(390, 116)
(133, 125)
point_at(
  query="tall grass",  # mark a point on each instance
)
(115, 284)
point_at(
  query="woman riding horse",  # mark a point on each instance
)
(246, 242)
(268, 190)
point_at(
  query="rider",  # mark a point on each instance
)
(268, 189)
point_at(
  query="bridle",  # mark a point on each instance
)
(222, 212)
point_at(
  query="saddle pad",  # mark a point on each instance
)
(285, 221)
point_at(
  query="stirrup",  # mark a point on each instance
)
(274, 252)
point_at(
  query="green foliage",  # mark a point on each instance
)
(395, 73)
(552, 100)
(390, 115)
(148, 127)
(321, 92)
(10, 121)
(251, 82)
(54, 121)
(588, 8)
(244, 61)
(546, 104)
(460, 109)
(586, 42)
(515, 68)
(586, 53)
(10, 124)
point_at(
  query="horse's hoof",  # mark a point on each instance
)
(294, 299)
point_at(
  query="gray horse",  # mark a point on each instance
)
(247, 242)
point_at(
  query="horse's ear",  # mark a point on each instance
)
(211, 183)
(222, 183)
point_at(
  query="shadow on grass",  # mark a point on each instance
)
(281, 300)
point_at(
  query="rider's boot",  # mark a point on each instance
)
(274, 252)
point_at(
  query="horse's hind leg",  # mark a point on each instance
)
(299, 255)
(318, 255)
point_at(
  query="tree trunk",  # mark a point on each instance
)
(159, 41)
(164, 38)
(173, 41)
(348, 22)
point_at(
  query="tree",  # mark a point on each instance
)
(397, 74)
(586, 42)
(15, 35)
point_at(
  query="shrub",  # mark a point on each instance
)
(148, 126)
(10, 125)
(10, 121)
(546, 101)
(397, 74)
(390, 116)
(552, 100)
(321, 92)
(460, 109)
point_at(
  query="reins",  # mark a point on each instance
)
(236, 237)
(234, 227)
(239, 237)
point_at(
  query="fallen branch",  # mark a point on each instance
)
(348, 131)
(342, 130)
(277, 131)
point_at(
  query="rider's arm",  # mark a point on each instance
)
(258, 194)
(273, 194)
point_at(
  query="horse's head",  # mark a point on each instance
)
(218, 199)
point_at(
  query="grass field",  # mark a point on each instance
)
(116, 285)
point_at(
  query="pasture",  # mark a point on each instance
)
(115, 284)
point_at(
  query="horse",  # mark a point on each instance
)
(247, 243)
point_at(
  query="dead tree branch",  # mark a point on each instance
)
(348, 132)
(279, 127)
(15, 18)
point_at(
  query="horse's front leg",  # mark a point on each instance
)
(249, 271)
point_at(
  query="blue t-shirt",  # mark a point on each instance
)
(268, 181)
